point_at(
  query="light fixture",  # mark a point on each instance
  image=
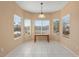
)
(41, 15)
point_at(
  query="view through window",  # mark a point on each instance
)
(42, 27)
(56, 25)
(27, 26)
(17, 26)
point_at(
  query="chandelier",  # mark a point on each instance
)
(41, 15)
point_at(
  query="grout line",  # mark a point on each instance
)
(75, 55)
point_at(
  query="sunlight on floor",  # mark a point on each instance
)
(40, 49)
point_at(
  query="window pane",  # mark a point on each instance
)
(17, 26)
(42, 27)
(45, 26)
(27, 26)
(56, 25)
(38, 27)
(66, 25)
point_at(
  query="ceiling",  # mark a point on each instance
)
(48, 6)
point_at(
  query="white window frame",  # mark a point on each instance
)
(30, 26)
(56, 19)
(41, 27)
(15, 38)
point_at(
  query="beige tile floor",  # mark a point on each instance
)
(40, 49)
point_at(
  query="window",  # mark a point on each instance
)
(17, 26)
(56, 25)
(27, 26)
(38, 26)
(42, 27)
(45, 26)
(66, 25)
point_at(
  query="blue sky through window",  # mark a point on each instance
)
(27, 22)
(38, 23)
(41, 22)
(17, 19)
(66, 19)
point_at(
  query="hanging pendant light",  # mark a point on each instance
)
(41, 15)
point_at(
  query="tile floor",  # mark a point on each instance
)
(40, 49)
